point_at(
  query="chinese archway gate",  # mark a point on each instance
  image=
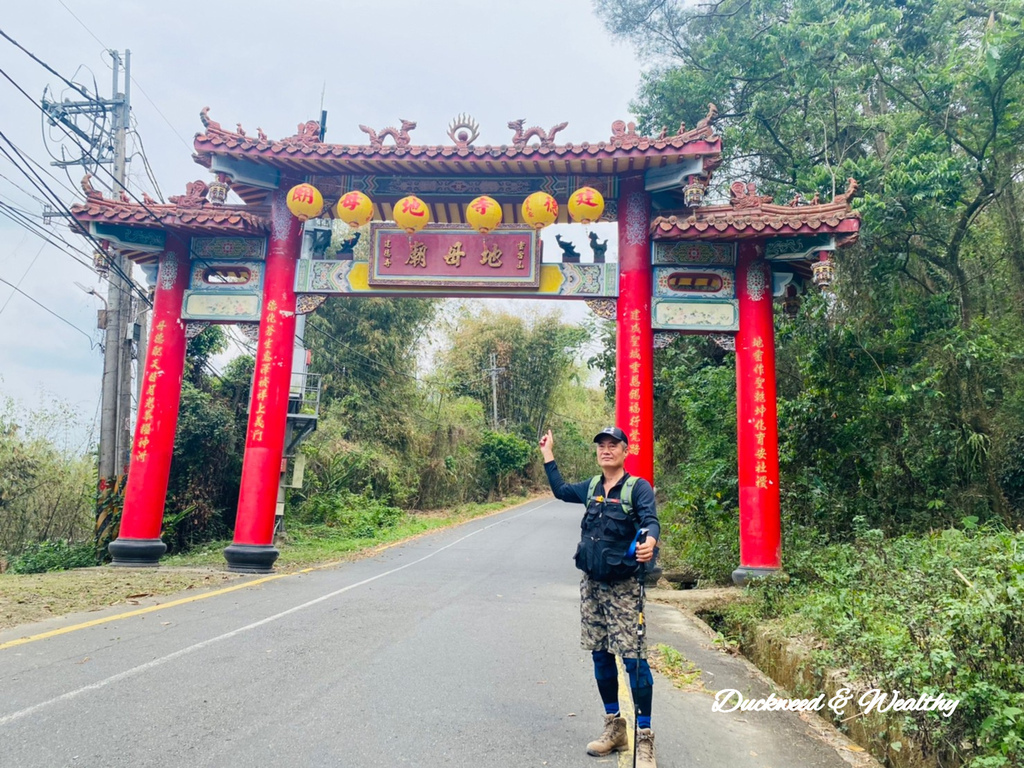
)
(682, 268)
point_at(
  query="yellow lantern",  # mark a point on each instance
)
(411, 214)
(355, 209)
(305, 201)
(539, 210)
(483, 214)
(586, 205)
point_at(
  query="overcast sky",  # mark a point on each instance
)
(266, 64)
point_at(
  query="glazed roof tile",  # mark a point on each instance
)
(190, 213)
(752, 216)
(624, 152)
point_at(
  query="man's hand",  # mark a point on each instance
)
(546, 444)
(645, 551)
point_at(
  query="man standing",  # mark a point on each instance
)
(618, 506)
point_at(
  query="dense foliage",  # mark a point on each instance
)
(47, 485)
(924, 614)
(900, 397)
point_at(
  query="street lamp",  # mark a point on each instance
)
(101, 314)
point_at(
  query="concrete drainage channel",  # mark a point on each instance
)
(792, 668)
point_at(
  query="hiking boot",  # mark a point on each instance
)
(645, 749)
(612, 740)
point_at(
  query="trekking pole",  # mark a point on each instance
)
(641, 578)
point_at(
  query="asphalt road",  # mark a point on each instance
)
(456, 649)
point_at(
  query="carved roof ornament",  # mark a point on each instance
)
(707, 120)
(214, 128)
(400, 135)
(195, 195)
(91, 193)
(211, 126)
(464, 130)
(624, 134)
(744, 195)
(308, 133)
(521, 137)
(849, 194)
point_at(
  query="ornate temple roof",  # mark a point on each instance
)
(390, 152)
(188, 214)
(624, 151)
(750, 215)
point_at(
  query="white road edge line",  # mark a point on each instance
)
(6, 719)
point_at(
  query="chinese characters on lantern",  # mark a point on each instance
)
(633, 396)
(263, 371)
(148, 404)
(760, 408)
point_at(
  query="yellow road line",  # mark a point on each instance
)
(244, 585)
(140, 611)
(626, 710)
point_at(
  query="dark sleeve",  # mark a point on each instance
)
(645, 508)
(574, 492)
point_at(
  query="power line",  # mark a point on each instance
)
(20, 188)
(74, 86)
(24, 275)
(134, 81)
(100, 166)
(93, 34)
(43, 187)
(92, 344)
(36, 230)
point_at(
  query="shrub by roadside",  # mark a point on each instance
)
(941, 613)
(58, 555)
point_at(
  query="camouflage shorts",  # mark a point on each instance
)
(608, 616)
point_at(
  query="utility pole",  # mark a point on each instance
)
(494, 370)
(109, 148)
(126, 336)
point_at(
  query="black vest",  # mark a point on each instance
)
(607, 532)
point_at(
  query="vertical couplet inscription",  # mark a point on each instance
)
(263, 373)
(634, 357)
(760, 409)
(153, 372)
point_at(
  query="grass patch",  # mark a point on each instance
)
(30, 598)
(684, 674)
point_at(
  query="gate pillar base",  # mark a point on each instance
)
(136, 553)
(745, 574)
(251, 558)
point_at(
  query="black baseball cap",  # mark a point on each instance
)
(613, 432)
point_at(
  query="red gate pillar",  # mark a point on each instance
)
(252, 550)
(634, 347)
(756, 420)
(138, 542)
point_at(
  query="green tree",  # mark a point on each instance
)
(535, 357)
(901, 393)
(365, 349)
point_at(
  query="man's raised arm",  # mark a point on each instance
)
(576, 492)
